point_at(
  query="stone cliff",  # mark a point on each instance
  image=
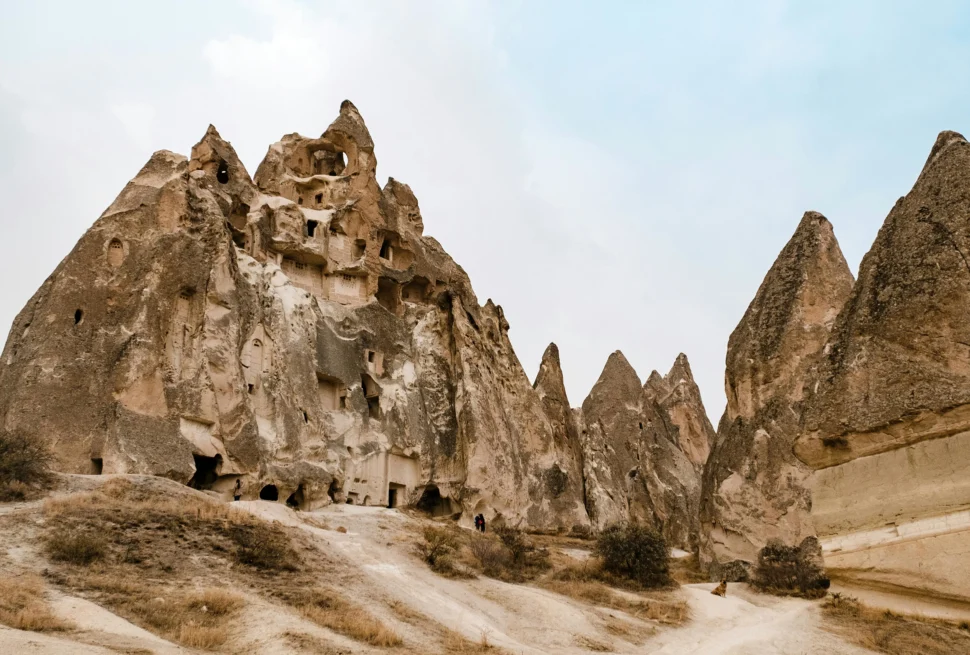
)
(296, 332)
(638, 441)
(887, 427)
(753, 487)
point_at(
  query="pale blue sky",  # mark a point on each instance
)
(617, 175)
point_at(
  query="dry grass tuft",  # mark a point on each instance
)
(331, 610)
(455, 642)
(203, 636)
(886, 632)
(22, 606)
(594, 644)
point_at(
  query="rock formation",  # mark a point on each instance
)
(753, 486)
(635, 464)
(678, 395)
(888, 424)
(297, 332)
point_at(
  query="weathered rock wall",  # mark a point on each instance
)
(636, 467)
(298, 333)
(888, 422)
(753, 487)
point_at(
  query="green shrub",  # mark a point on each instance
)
(633, 552)
(76, 547)
(791, 570)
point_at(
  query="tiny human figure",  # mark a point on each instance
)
(237, 491)
(482, 523)
(478, 522)
(721, 589)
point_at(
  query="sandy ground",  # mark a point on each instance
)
(382, 572)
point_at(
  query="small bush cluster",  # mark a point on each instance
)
(263, 546)
(635, 553)
(24, 466)
(439, 549)
(791, 570)
(524, 559)
(80, 547)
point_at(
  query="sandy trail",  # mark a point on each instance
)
(745, 623)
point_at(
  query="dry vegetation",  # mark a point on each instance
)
(24, 467)
(22, 605)
(124, 547)
(886, 632)
(585, 582)
(328, 608)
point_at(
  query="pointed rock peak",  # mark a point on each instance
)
(551, 355)
(944, 140)
(655, 382)
(549, 380)
(619, 372)
(216, 157)
(618, 386)
(680, 370)
(349, 126)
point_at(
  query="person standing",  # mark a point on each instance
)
(237, 491)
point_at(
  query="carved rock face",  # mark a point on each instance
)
(753, 487)
(298, 333)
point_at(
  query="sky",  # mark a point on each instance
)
(616, 175)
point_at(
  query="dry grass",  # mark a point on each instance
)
(886, 632)
(125, 523)
(635, 634)
(331, 610)
(455, 642)
(594, 645)
(687, 570)
(22, 606)
(585, 582)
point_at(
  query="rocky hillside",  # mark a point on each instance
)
(296, 337)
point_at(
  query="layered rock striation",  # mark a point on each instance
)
(887, 427)
(754, 488)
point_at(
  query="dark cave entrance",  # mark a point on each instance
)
(269, 492)
(206, 471)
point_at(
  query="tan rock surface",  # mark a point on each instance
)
(298, 333)
(888, 424)
(753, 486)
(634, 467)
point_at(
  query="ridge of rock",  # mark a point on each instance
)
(887, 422)
(753, 487)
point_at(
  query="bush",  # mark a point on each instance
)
(791, 570)
(438, 550)
(635, 553)
(263, 547)
(491, 556)
(76, 547)
(24, 465)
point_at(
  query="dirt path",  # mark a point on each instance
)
(746, 623)
(525, 619)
